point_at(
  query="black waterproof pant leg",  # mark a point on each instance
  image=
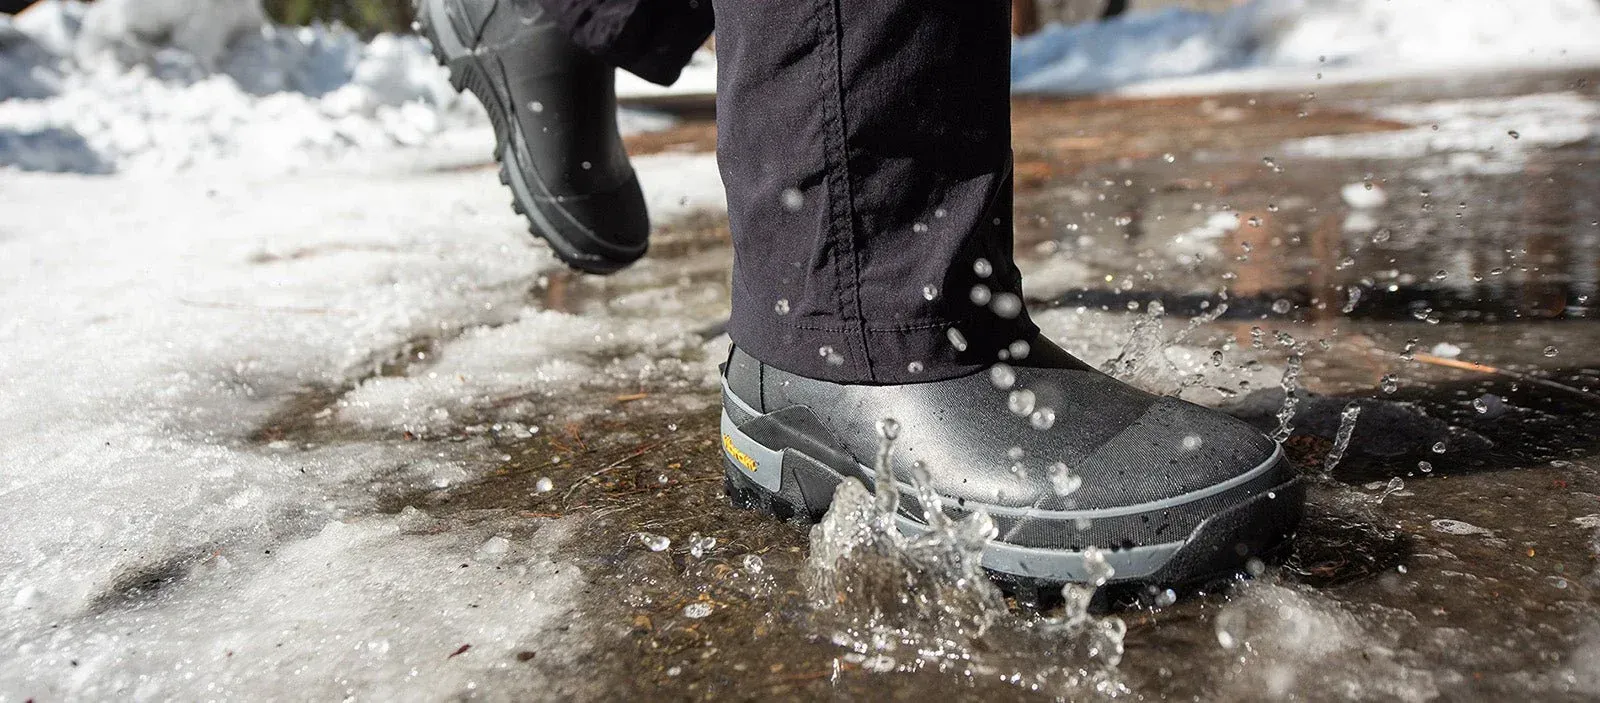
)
(865, 148)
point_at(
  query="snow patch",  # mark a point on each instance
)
(169, 85)
(1283, 44)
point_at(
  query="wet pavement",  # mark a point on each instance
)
(1451, 554)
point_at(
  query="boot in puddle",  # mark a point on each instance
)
(1062, 457)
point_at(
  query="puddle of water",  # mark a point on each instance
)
(1376, 601)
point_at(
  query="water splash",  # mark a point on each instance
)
(1341, 439)
(1291, 402)
(914, 600)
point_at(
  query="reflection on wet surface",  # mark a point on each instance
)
(1452, 552)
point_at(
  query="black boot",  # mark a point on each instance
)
(1062, 457)
(554, 111)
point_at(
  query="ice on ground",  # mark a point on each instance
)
(380, 605)
(155, 330)
(1281, 44)
(165, 85)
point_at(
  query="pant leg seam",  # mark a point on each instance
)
(841, 196)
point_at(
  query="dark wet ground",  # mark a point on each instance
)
(1473, 577)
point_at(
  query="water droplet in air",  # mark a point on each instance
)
(792, 199)
(831, 356)
(543, 485)
(587, 166)
(1551, 351)
(753, 563)
(889, 428)
(1169, 158)
(1438, 447)
(1192, 442)
(1341, 438)
(1440, 275)
(1389, 383)
(1062, 480)
(1425, 467)
(1253, 222)
(983, 268)
(930, 291)
(1002, 376)
(1019, 349)
(1479, 405)
(1020, 401)
(1043, 419)
(1007, 305)
(1282, 306)
(782, 307)
(914, 367)
(957, 340)
(1514, 134)
(980, 294)
(697, 610)
(536, 106)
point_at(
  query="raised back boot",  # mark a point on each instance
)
(554, 111)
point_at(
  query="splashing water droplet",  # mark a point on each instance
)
(782, 306)
(697, 610)
(983, 268)
(1354, 293)
(830, 355)
(699, 545)
(544, 485)
(655, 543)
(1002, 376)
(1007, 305)
(886, 491)
(1062, 480)
(1290, 383)
(1389, 383)
(930, 291)
(792, 199)
(957, 340)
(1341, 438)
(1551, 351)
(753, 563)
(1020, 402)
(1042, 419)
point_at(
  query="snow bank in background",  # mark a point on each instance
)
(1469, 136)
(221, 85)
(1272, 44)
